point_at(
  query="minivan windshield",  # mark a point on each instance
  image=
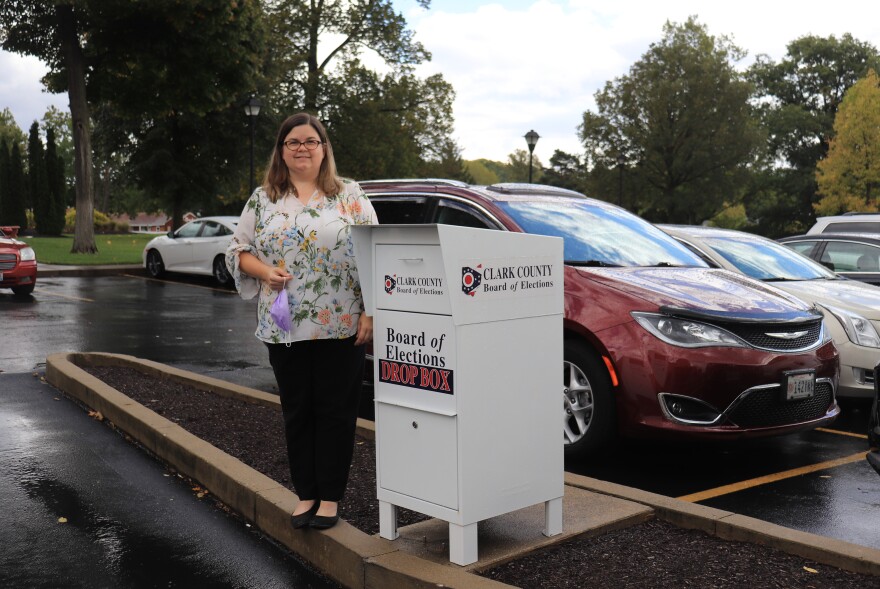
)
(596, 235)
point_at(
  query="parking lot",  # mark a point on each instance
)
(816, 481)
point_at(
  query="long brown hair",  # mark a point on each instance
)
(277, 181)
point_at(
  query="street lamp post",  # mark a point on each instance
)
(531, 140)
(621, 161)
(252, 109)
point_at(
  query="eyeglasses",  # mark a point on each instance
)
(310, 144)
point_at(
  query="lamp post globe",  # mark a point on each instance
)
(252, 109)
(531, 141)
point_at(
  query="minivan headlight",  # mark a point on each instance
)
(686, 333)
(858, 329)
(27, 254)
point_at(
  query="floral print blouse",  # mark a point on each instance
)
(313, 243)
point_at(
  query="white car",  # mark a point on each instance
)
(851, 308)
(199, 247)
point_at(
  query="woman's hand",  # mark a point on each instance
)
(252, 266)
(276, 277)
(365, 330)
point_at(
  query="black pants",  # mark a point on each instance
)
(320, 385)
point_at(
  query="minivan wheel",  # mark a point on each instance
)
(221, 274)
(155, 265)
(589, 417)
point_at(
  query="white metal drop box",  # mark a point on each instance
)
(467, 368)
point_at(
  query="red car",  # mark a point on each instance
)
(657, 344)
(18, 263)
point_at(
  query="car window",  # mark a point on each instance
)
(852, 257)
(455, 213)
(766, 259)
(801, 247)
(189, 230)
(854, 227)
(404, 211)
(600, 236)
(212, 229)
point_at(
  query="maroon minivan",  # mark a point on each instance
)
(657, 344)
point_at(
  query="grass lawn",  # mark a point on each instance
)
(112, 249)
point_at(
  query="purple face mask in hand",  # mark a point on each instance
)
(280, 310)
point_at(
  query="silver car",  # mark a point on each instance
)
(851, 308)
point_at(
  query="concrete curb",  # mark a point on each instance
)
(345, 553)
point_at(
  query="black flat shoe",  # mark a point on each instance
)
(324, 522)
(303, 519)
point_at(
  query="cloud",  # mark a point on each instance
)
(22, 92)
(536, 65)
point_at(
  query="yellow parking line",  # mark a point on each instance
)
(840, 433)
(742, 485)
(61, 296)
(224, 290)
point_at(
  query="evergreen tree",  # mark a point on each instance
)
(5, 213)
(55, 176)
(16, 194)
(37, 181)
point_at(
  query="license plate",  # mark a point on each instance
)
(800, 385)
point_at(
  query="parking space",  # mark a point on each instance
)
(816, 481)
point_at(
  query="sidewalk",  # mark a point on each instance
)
(419, 558)
(52, 270)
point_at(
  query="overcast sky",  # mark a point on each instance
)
(518, 65)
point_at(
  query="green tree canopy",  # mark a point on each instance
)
(682, 120)
(383, 124)
(849, 177)
(797, 100)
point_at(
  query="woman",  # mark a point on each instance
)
(294, 236)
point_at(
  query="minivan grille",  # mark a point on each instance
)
(767, 408)
(7, 261)
(756, 335)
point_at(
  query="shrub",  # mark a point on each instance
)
(103, 223)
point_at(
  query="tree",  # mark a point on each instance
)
(55, 177)
(202, 61)
(682, 120)
(448, 165)
(848, 178)
(481, 173)
(518, 167)
(38, 182)
(62, 130)
(566, 171)
(382, 125)
(54, 32)
(10, 131)
(6, 213)
(797, 100)
(15, 204)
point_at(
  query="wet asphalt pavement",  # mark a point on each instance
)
(130, 523)
(793, 481)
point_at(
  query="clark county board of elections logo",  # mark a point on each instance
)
(390, 283)
(470, 279)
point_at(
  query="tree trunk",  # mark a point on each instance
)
(311, 91)
(84, 232)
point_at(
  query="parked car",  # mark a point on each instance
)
(18, 264)
(198, 247)
(853, 255)
(873, 455)
(851, 308)
(657, 343)
(847, 223)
